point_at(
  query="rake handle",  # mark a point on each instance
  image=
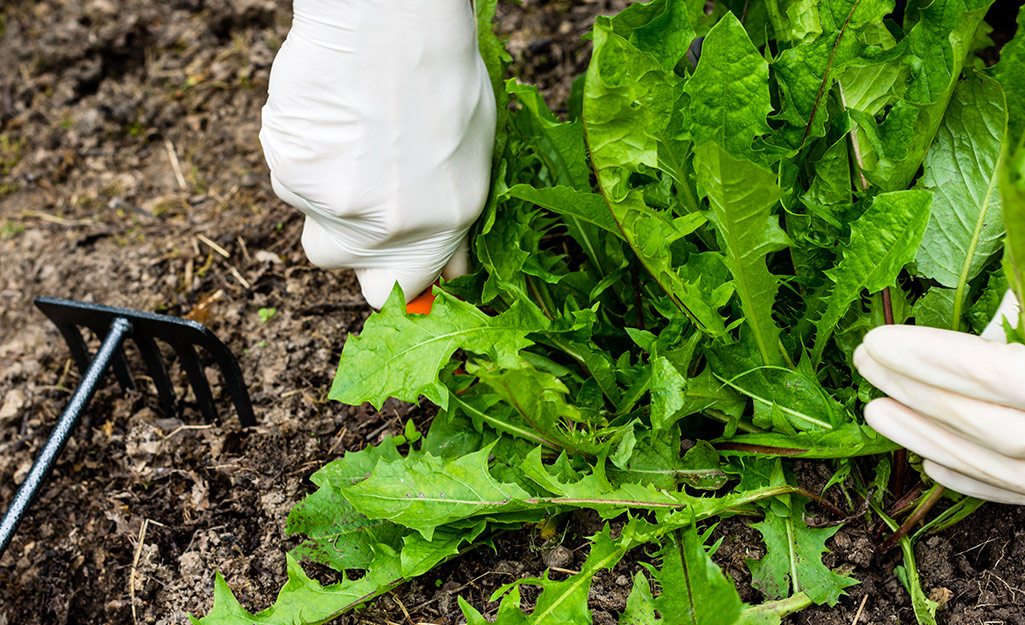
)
(119, 330)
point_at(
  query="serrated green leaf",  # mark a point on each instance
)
(427, 492)
(793, 559)
(569, 202)
(662, 28)
(961, 169)
(742, 195)
(806, 72)
(795, 395)
(695, 591)
(594, 491)
(338, 535)
(667, 388)
(656, 461)
(540, 399)
(627, 102)
(727, 99)
(305, 600)
(562, 145)
(504, 247)
(869, 88)
(628, 98)
(640, 604)
(705, 391)
(938, 40)
(935, 309)
(399, 355)
(1010, 72)
(938, 43)
(883, 240)
(847, 441)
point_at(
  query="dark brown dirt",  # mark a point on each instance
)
(128, 140)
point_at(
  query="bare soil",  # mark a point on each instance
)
(131, 175)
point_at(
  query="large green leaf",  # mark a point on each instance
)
(427, 492)
(399, 355)
(699, 593)
(883, 240)
(806, 72)
(628, 97)
(793, 561)
(742, 195)
(561, 144)
(938, 41)
(1010, 71)
(661, 28)
(571, 203)
(727, 98)
(966, 225)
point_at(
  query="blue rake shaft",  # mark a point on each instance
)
(119, 329)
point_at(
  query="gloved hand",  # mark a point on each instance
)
(957, 400)
(379, 126)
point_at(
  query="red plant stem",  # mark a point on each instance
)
(900, 457)
(900, 472)
(904, 504)
(638, 302)
(887, 307)
(934, 496)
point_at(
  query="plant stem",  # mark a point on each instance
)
(887, 307)
(721, 416)
(822, 502)
(900, 472)
(932, 498)
(786, 357)
(638, 301)
(781, 607)
(902, 505)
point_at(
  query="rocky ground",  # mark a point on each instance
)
(131, 174)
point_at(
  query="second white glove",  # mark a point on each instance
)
(957, 400)
(379, 126)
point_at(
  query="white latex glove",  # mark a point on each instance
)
(379, 126)
(957, 400)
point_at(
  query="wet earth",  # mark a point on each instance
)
(131, 175)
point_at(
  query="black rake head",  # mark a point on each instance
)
(144, 329)
(114, 326)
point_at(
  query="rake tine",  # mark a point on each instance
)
(232, 375)
(155, 363)
(76, 345)
(197, 379)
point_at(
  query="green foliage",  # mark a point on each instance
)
(265, 314)
(667, 293)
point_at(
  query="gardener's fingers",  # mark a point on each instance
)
(459, 264)
(906, 427)
(990, 425)
(414, 260)
(959, 362)
(971, 487)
